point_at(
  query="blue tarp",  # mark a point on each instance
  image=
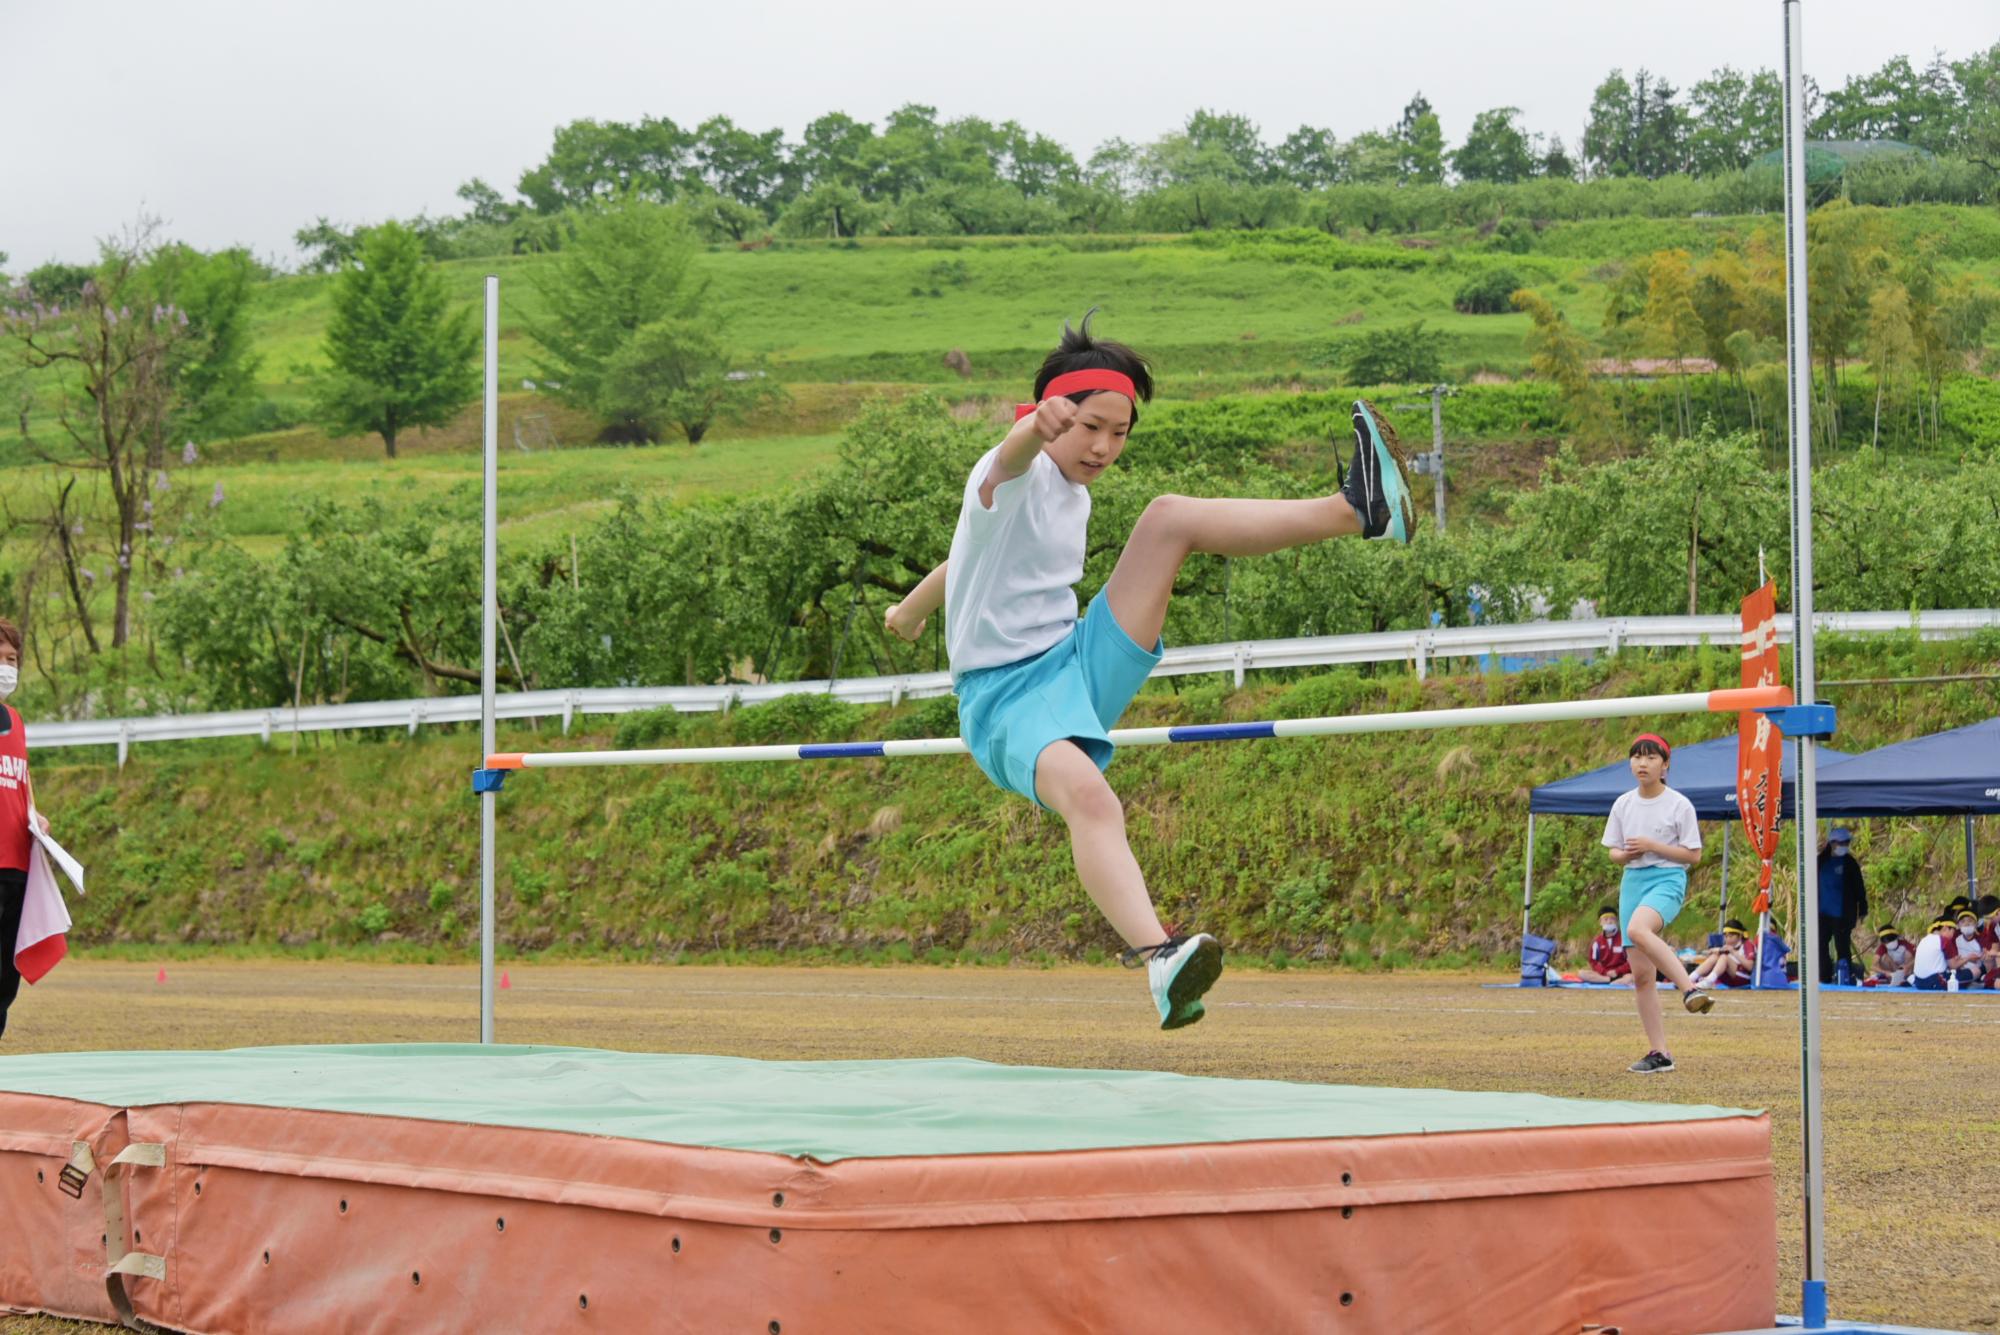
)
(1946, 774)
(1704, 771)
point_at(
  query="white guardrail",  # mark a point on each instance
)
(1419, 648)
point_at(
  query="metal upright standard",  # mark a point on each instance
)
(489, 610)
(1805, 832)
(1432, 463)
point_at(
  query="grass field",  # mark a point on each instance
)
(546, 493)
(1902, 1229)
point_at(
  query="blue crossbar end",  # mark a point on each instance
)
(1812, 1314)
(1815, 720)
(489, 780)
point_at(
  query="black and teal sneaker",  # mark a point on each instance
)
(1375, 485)
(1179, 970)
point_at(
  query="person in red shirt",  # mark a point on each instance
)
(16, 800)
(1607, 955)
(1894, 957)
(1988, 909)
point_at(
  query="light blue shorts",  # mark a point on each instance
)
(1076, 690)
(1660, 889)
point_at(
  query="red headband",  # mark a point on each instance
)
(1072, 382)
(1655, 738)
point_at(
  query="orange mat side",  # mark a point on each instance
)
(272, 1219)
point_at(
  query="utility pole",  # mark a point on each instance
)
(1432, 464)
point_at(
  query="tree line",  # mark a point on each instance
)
(793, 586)
(919, 174)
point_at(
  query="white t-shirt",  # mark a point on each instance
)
(1009, 591)
(1930, 956)
(1668, 818)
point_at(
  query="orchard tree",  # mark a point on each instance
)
(397, 357)
(629, 331)
(1495, 149)
(116, 358)
(1421, 140)
(1306, 158)
(592, 160)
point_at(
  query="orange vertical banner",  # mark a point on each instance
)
(1759, 747)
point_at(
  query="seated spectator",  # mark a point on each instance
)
(1894, 957)
(1731, 964)
(1971, 950)
(1939, 959)
(1607, 955)
(1988, 908)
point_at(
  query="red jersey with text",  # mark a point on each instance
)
(14, 792)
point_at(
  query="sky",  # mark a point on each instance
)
(237, 122)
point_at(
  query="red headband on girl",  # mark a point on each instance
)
(1072, 382)
(1658, 740)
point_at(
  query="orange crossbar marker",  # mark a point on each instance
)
(507, 760)
(1740, 699)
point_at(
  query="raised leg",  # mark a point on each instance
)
(1175, 527)
(1069, 783)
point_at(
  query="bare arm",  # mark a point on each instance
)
(906, 619)
(1017, 452)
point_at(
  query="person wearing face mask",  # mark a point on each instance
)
(1843, 902)
(1894, 957)
(16, 802)
(1967, 951)
(1607, 952)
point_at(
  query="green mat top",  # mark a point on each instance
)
(823, 1110)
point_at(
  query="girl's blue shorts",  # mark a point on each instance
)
(1075, 690)
(1660, 889)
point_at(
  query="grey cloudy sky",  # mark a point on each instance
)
(237, 122)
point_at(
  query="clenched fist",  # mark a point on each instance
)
(1053, 417)
(899, 626)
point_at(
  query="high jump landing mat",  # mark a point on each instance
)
(446, 1188)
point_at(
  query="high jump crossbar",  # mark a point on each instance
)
(1732, 701)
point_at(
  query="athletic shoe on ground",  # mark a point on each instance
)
(1653, 1063)
(1375, 485)
(1179, 970)
(1698, 1002)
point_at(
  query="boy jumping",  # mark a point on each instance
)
(1653, 834)
(1039, 688)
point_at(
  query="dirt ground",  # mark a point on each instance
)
(1912, 1083)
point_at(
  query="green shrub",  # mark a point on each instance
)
(1491, 293)
(646, 728)
(935, 717)
(797, 718)
(1327, 695)
(1403, 355)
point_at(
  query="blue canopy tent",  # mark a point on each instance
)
(1955, 773)
(1704, 772)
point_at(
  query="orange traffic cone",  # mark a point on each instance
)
(504, 983)
(161, 976)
